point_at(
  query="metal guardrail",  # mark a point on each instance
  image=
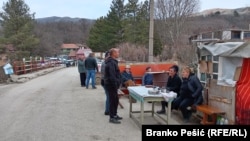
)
(28, 66)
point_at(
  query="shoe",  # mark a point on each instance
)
(106, 113)
(115, 121)
(161, 112)
(94, 88)
(86, 87)
(118, 117)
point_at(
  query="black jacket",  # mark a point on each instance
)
(112, 75)
(195, 86)
(91, 64)
(174, 84)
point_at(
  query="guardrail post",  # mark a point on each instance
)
(23, 66)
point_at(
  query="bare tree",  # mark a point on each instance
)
(171, 18)
(133, 52)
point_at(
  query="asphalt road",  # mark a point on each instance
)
(53, 107)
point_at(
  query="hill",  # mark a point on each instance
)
(237, 11)
(61, 19)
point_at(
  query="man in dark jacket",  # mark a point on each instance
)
(91, 68)
(112, 81)
(173, 84)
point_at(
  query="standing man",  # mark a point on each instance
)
(91, 68)
(112, 81)
(173, 84)
(81, 69)
(102, 83)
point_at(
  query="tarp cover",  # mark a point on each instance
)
(227, 70)
(229, 49)
(243, 94)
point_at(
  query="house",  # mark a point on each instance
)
(224, 70)
(66, 48)
(72, 49)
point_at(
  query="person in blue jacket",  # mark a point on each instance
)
(147, 78)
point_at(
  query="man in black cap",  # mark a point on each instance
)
(173, 84)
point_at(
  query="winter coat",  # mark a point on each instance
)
(81, 66)
(112, 75)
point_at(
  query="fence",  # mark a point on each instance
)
(32, 65)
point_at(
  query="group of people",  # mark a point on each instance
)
(188, 89)
(87, 68)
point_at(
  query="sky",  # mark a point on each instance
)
(93, 9)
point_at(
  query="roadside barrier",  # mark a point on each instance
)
(28, 66)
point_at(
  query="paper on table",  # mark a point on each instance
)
(169, 96)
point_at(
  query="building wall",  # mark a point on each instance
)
(223, 98)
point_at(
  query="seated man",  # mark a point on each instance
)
(147, 78)
(173, 84)
(127, 77)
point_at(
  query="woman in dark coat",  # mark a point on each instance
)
(190, 93)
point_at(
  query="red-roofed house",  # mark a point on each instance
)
(72, 49)
(66, 48)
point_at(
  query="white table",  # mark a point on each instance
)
(140, 93)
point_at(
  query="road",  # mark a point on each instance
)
(54, 107)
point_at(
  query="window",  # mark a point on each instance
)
(203, 77)
(215, 67)
(235, 34)
(247, 35)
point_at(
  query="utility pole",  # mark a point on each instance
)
(151, 33)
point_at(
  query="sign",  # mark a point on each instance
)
(8, 69)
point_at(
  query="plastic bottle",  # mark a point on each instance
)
(226, 121)
(218, 120)
(222, 121)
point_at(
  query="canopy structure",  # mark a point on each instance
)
(85, 51)
(229, 49)
(234, 56)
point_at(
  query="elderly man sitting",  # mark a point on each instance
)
(127, 77)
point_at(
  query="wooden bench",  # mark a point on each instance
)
(209, 111)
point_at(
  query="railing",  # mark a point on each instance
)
(28, 66)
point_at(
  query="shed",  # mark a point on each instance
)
(224, 68)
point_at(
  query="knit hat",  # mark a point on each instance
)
(127, 67)
(147, 68)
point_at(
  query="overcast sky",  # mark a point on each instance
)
(93, 9)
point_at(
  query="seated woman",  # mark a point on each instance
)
(190, 93)
(147, 78)
(127, 77)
